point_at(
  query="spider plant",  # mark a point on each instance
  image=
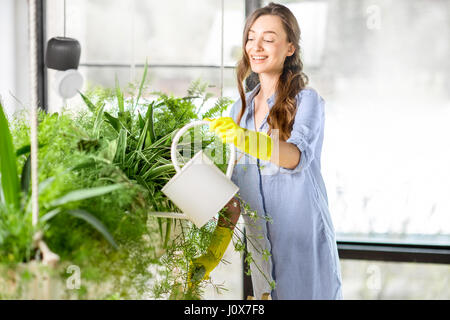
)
(142, 142)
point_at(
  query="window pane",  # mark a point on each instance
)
(392, 280)
(163, 32)
(386, 81)
(102, 27)
(177, 32)
(169, 33)
(166, 79)
(14, 57)
(174, 81)
(234, 19)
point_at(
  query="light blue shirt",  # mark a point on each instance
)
(304, 259)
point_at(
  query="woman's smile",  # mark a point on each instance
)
(259, 59)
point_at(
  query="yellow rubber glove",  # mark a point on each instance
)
(254, 143)
(200, 267)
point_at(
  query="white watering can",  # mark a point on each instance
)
(200, 189)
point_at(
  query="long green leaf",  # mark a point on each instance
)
(45, 184)
(142, 84)
(90, 163)
(121, 147)
(119, 95)
(114, 122)
(109, 152)
(160, 227)
(141, 121)
(8, 170)
(88, 102)
(154, 156)
(162, 141)
(168, 228)
(150, 129)
(158, 171)
(26, 149)
(23, 150)
(50, 215)
(97, 122)
(93, 221)
(84, 194)
(142, 136)
(25, 178)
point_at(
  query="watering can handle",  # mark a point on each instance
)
(177, 137)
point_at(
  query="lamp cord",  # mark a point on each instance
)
(33, 111)
(222, 46)
(64, 18)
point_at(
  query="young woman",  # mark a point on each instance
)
(280, 126)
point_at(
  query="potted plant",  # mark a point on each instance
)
(100, 171)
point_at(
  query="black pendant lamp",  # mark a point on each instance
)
(63, 54)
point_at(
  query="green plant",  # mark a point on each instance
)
(101, 171)
(140, 142)
(71, 183)
(143, 153)
(16, 221)
(10, 192)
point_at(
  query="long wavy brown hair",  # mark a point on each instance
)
(292, 78)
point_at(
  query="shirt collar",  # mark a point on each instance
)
(250, 101)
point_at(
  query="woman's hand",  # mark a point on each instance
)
(200, 267)
(231, 215)
(254, 143)
(233, 206)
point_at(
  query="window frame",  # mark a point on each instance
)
(390, 252)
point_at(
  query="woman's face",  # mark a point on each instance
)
(268, 40)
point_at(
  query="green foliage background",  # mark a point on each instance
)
(117, 139)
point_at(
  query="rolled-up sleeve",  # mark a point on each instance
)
(308, 123)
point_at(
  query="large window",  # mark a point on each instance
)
(382, 68)
(384, 73)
